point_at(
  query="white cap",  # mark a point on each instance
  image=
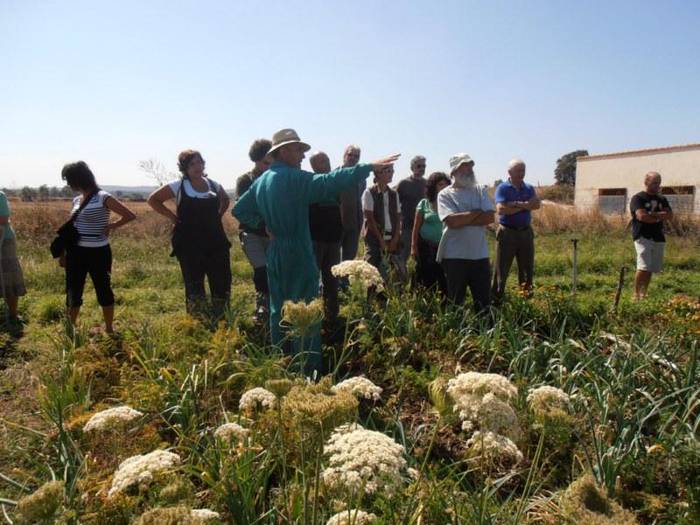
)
(457, 160)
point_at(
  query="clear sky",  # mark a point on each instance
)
(116, 82)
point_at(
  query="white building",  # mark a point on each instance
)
(609, 181)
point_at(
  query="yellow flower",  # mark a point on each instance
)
(302, 317)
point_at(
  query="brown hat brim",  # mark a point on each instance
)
(278, 146)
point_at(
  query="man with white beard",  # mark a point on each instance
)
(465, 209)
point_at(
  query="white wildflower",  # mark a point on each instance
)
(360, 387)
(483, 400)
(229, 431)
(352, 517)
(361, 459)
(358, 271)
(547, 399)
(493, 448)
(140, 469)
(204, 515)
(256, 398)
(108, 418)
(497, 416)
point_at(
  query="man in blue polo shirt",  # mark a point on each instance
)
(515, 200)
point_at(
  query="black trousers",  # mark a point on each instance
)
(327, 256)
(429, 273)
(97, 262)
(216, 267)
(474, 273)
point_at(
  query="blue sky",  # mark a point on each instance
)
(113, 83)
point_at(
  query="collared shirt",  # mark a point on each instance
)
(368, 205)
(468, 242)
(507, 192)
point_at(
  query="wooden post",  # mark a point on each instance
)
(618, 292)
(575, 274)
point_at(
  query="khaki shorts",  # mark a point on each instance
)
(650, 254)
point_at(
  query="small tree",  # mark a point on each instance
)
(44, 192)
(565, 172)
(28, 194)
(156, 170)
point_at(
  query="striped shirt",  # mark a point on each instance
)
(92, 220)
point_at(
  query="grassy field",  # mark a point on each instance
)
(622, 448)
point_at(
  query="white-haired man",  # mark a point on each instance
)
(515, 200)
(351, 207)
(649, 211)
(465, 209)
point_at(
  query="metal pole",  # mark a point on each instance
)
(618, 292)
(575, 274)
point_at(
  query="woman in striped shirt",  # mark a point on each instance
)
(92, 254)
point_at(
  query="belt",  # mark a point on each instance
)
(516, 228)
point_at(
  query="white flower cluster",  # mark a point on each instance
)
(204, 515)
(360, 387)
(494, 449)
(483, 401)
(140, 469)
(545, 400)
(363, 460)
(107, 418)
(256, 398)
(361, 272)
(229, 431)
(352, 517)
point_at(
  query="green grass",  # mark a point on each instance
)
(633, 379)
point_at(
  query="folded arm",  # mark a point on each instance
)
(469, 218)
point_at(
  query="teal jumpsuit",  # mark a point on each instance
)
(280, 199)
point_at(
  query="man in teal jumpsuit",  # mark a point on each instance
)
(280, 199)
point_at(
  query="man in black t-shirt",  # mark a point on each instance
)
(326, 228)
(649, 211)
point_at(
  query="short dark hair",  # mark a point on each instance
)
(184, 159)
(259, 149)
(432, 182)
(78, 176)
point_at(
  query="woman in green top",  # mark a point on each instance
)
(11, 279)
(427, 231)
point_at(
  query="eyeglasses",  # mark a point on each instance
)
(419, 166)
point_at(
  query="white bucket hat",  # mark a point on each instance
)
(457, 160)
(284, 137)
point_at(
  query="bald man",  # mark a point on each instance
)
(515, 200)
(649, 211)
(326, 229)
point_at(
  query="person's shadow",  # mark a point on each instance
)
(10, 332)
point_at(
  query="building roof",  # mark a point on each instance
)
(640, 152)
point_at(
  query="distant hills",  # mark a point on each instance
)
(129, 190)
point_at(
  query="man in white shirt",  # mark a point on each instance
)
(382, 225)
(465, 209)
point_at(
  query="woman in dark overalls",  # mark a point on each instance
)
(199, 241)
